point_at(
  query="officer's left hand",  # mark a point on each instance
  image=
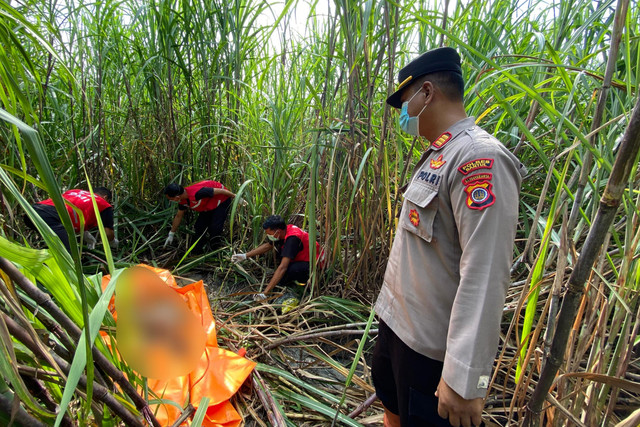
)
(242, 202)
(459, 411)
(114, 243)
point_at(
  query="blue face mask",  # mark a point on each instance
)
(408, 123)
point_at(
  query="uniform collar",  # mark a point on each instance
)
(449, 135)
(452, 132)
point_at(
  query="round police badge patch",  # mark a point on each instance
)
(479, 195)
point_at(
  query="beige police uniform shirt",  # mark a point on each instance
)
(448, 270)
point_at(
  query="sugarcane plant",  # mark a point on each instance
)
(136, 94)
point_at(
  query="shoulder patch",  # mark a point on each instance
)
(475, 165)
(477, 177)
(441, 141)
(479, 195)
(437, 163)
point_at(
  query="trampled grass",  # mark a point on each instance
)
(137, 94)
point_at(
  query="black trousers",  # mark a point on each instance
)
(209, 226)
(406, 381)
(296, 272)
(50, 216)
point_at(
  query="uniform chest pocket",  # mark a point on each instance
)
(419, 211)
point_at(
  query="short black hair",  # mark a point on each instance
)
(103, 192)
(450, 83)
(274, 222)
(173, 190)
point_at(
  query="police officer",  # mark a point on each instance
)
(448, 271)
(82, 201)
(211, 200)
(292, 245)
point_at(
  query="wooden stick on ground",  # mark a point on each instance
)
(101, 393)
(44, 300)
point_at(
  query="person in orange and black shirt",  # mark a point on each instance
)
(81, 199)
(211, 200)
(292, 245)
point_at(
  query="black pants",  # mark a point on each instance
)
(406, 381)
(296, 272)
(209, 226)
(50, 216)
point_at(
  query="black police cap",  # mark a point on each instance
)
(441, 59)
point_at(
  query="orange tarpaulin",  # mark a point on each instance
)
(218, 375)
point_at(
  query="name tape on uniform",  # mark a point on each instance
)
(477, 177)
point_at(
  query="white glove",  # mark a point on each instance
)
(91, 241)
(236, 258)
(259, 297)
(242, 202)
(114, 243)
(169, 238)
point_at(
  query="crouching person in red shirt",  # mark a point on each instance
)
(81, 200)
(292, 246)
(211, 200)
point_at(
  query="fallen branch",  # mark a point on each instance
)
(100, 392)
(274, 415)
(44, 301)
(20, 416)
(186, 414)
(364, 406)
(317, 335)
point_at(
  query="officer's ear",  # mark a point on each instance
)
(429, 91)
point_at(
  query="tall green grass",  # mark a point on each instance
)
(135, 94)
